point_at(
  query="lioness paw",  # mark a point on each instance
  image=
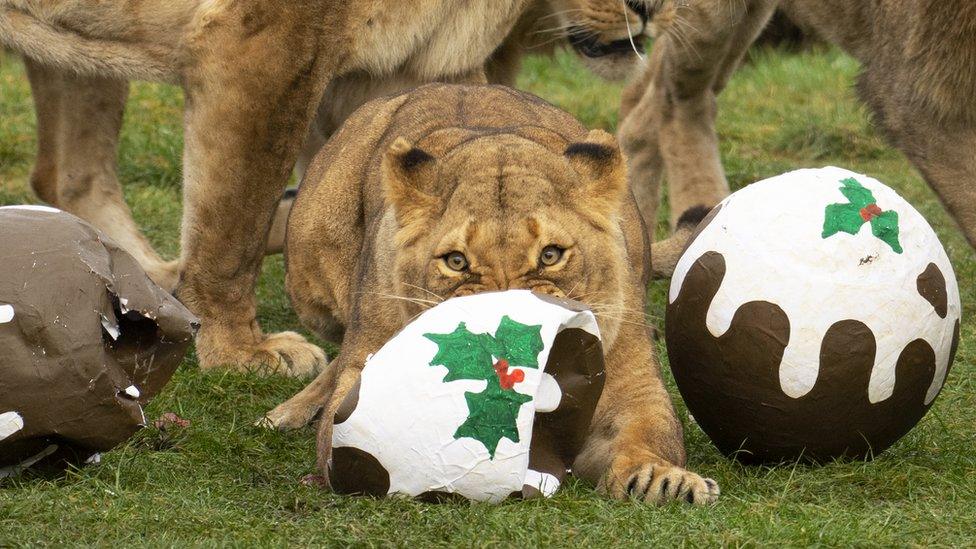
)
(285, 353)
(662, 484)
(290, 415)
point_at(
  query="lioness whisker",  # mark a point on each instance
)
(630, 32)
(435, 296)
(426, 303)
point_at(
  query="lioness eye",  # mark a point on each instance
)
(456, 261)
(550, 255)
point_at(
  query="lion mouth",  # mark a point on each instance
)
(590, 46)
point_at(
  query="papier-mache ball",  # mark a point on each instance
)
(86, 340)
(481, 397)
(813, 316)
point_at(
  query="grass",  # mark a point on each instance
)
(222, 481)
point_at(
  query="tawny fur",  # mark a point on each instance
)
(542, 28)
(496, 175)
(918, 77)
(253, 73)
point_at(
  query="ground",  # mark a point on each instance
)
(222, 481)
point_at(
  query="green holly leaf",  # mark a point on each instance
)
(856, 193)
(466, 355)
(842, 218)
(849, 218)
(492, 416)
(520, 343)
(885, 227)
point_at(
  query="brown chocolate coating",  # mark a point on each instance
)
(932, 287)
(353, 471)
(87, 325)
(576, 363)
(731, 383)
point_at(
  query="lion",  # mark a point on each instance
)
(918, 77)
(253, 73)
(450, 190)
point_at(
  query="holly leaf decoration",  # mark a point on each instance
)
(466, 355)
(521, 344)
(858, 195)
(861, 209)
(493, 412)
(491, 415)
(885, 227)
(842, 218)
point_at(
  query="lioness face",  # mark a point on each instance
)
(608, 34)
(502, 212)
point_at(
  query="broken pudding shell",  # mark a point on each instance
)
(86, 339)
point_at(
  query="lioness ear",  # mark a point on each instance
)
(408, 177)
(602, 169)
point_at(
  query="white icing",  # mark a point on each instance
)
(544, 482)
(770, 235)
(6, 313)
(32, 208)
(10, 423)
(406, 415)
(548, 395)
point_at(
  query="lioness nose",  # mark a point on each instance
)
(642, 8)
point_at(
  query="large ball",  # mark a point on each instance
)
(813, 316)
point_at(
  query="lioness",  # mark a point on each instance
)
(451, 190)
(253, 72)
(918, 77)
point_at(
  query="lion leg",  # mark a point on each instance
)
(672, 127)
(689, 141)
(638, 134)
(78, 124)
(948, 164)
(346, 377)
(635, 448)
(47, 109)
(946, 157)
(314, 141)
(242, 135)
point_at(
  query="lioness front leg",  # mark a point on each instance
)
(671, 129)
(635, 448)
(306, 405)
(244, 126)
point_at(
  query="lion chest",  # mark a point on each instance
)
(429, 39)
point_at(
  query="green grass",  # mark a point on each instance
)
(222, 481)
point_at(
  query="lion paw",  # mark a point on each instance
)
(290, 415)
(285, 353)
(661, 484)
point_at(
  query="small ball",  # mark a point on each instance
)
(448, 408)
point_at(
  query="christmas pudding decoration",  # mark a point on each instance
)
(482, 397)
(813, 316)
(86, 340)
